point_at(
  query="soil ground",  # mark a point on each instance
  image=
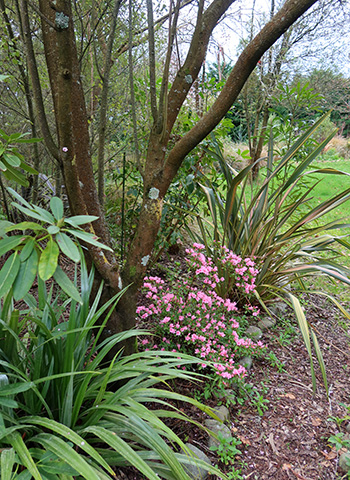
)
(289, 438)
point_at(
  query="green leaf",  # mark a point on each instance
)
(68, 247)
(45, 214)
(27, 249)
(25, 226)
(89, 238)
(3, 167)
(8, 402)
(22, 451)
(18, 197)
(52, 229)
(14, 388)
(26, 276)
(48, 260)
(56, 206)
(124, 449)
(69, 434)
(28, 168)
(4, 225)
(8, 273)
(68, 454)
(7, 461)
(16, 176)
(29, 212)
(80, 220)
(66, 284)
(12, 160)
(9, 243)
(4, 77)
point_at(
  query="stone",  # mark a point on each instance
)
(222, 412)
(219, 429)
(254, 333)
(278, 309)
(348, 427)
(266, 323)
(344, 461)
(195, 472)
(227, 396)
(246, 362)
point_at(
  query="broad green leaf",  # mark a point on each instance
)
(80, 220)
(8, 273)
(22, 451)
(48, 260)
(89, 238)
(123, 449)
(26, 276)
(68, 247)
(72, 436)
(3, 167)
(320, 359)
(45, 214)
(53, 229)
(9, 243)
(66, 284)
(28, 168)
(18, 197)
(68, 454)
(12, 159)
(25, 226)
(4, 77)
(14, 388)
(4, 225)
(29, 212)
(7, 461)
(27, 249)
(8, 402)
(16, 176)
(304, 328)
(56, 206)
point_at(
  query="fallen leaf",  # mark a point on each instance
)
(289, 395)
(244, 440)
(330, 455)
(316, 422)
(286, 466)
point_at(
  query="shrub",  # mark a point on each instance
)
(190, 317)
(65, 414)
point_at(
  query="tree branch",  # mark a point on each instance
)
(244, 66)
(34, 76)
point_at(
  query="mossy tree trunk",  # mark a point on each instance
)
(162, 161)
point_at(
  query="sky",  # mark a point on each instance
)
(330, 47)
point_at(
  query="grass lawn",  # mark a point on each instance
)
(329, 186)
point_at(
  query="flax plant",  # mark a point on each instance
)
(272, 223)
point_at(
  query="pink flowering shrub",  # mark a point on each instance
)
(229, 274)
(191, 317)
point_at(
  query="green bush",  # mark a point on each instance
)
(64, 414)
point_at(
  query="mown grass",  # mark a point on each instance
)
(329, 186)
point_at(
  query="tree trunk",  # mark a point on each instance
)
(161, 166)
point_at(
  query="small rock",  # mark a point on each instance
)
(254, 333)
(217, 428)
(348, 427)
(246, 362)
(222, 412)
(278, 309)
(344, 461)
(266, 323)
(197, 473)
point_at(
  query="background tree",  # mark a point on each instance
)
(68, 140)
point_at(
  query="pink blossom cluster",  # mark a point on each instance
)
(193, 318)
(230, 274)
